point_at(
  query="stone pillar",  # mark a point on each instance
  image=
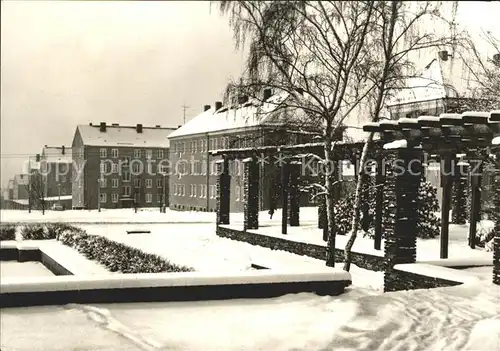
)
(294, 195)
(496, 238)
(401, 232)
(223, 191)
(476, 169)
(379, 198)
(251, 194)
(448, 159)
(285, 175)
(459, 211)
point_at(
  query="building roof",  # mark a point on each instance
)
(123, 136)
(54, 154)
(250, 114)
(440, 78)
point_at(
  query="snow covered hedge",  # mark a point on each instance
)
(43, 231)
(428, 224)
(115, 256)
(7, 232)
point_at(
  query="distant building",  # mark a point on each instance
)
(246, 124)
(445, 85)
(56, 164)
(119, 166)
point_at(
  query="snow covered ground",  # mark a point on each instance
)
(457, 318)
(11, 269)
(145, 215)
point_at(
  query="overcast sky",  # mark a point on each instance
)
(68, 63)
(65, 63)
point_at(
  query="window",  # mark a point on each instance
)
(175, 189)
(160, 154)
(159, 183)
(194, 146)
(183, 189)
(114, 153)
(103, 152)
(149, 154)
(126, 190)
(137, 197)
(190, 190)
(136, 168)
(103, 182)
(126, 176)
(103, 197)
(137, 153)
(137, 183)
(237, 193)
(103, 167)
(201, 191)
(149, 198)
(114, 183)
(215, 144)
(194, 190)
(114, 198)
(114, 168)
(159, 198)
(149, 183)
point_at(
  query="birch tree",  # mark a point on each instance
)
(401, 30)
(312, 53)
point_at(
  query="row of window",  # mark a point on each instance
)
(180, 190)
(115, 197)
(137, 183)
(213, 143)
(137, 153)
(105, 167)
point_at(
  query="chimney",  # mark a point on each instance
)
(206, 108)
(158, 126)
(243, 99)
(115, 125)
(218, 105)
(90, 124)
(63, 150)
(37, 157)
(103, 127)
(180, 125)
(443, 55)
(139, 128)
(267, 94)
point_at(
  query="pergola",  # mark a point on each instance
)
(290, 162)
(472, 133)
(405, 140)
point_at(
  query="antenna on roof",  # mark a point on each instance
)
(184, 108)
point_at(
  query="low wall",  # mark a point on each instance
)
(413, 276)
(168, 287)
(14, 253)
(371, 262)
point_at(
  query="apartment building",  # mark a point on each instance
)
(245, 124)
(120, 166)
(56, 170)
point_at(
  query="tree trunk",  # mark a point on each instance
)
(330, 202)
(357, 205)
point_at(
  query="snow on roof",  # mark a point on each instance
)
(21, 201)
(53, 154)
(496, 141)
(120, 136)
(439, 79)
(250, 114)
(55, 198)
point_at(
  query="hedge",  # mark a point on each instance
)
(7, 232)
(115, 256)
(44, 231)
